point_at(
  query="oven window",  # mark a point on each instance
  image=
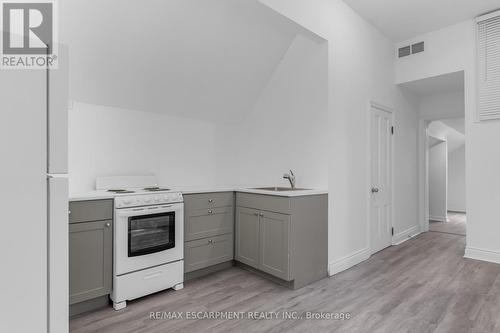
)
(151, 233)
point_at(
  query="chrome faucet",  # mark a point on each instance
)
(291, 178)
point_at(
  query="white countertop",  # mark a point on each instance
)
(98, 195)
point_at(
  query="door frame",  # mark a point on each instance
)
(423, 165)
(423, 170)
(374, 105)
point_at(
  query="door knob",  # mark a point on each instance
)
(375, 189)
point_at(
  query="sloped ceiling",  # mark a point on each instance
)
(194, 58)
(455, 123)
(441, 131)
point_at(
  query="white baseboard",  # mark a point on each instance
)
(482, 254)
(456, 210)
(405, 235)
(348, 261)
(438, 218)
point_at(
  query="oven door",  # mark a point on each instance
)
(148, 236)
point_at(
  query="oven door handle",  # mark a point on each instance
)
(145, 211)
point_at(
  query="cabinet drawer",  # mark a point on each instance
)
(208, 200)
(208, 222)
(269, 203)
(207, 252)
(91, 210)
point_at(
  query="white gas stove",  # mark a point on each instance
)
(148, 233)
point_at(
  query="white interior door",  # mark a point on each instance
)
(381, 179)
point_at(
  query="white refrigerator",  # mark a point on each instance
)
(34, 199)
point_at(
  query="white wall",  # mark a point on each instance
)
(438, 179)
(285, 129)
(446, 51)
(110, 141)
(288, 126)
(482, 163)
(361, 68)
(456, 180)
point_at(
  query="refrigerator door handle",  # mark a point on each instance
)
(58, 258)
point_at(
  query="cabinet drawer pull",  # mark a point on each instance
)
(210, 212)
(210, 200)
(256, 214)
(261, 215)
(108, 225)
(210, 241)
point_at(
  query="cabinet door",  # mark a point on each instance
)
(275, 244)
(247, 236)
(90, 260)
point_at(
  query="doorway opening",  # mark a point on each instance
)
(441, 140)
(446, 176)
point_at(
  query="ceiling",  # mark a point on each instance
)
(404, 19)
(452, 82)
(189, 58)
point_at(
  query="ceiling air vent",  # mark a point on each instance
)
(417, 48)
(404, 51)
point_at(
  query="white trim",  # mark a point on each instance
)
(406, 235)
(482, 254)
(423, 189)
(390, 110)
(348, 261)
(438, 218)
(381, 107)
(456, 210)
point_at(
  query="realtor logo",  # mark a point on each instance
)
(28, 34)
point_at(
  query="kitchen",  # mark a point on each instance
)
(198, 169)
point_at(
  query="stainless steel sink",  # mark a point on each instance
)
(280, 189)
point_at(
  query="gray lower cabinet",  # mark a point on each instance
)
(90, 260)
(286, 237)
(90, 254)
(208, 230)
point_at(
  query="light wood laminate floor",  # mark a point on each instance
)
(422, 285)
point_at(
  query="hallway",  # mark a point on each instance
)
(422, 285)
(456, 224)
